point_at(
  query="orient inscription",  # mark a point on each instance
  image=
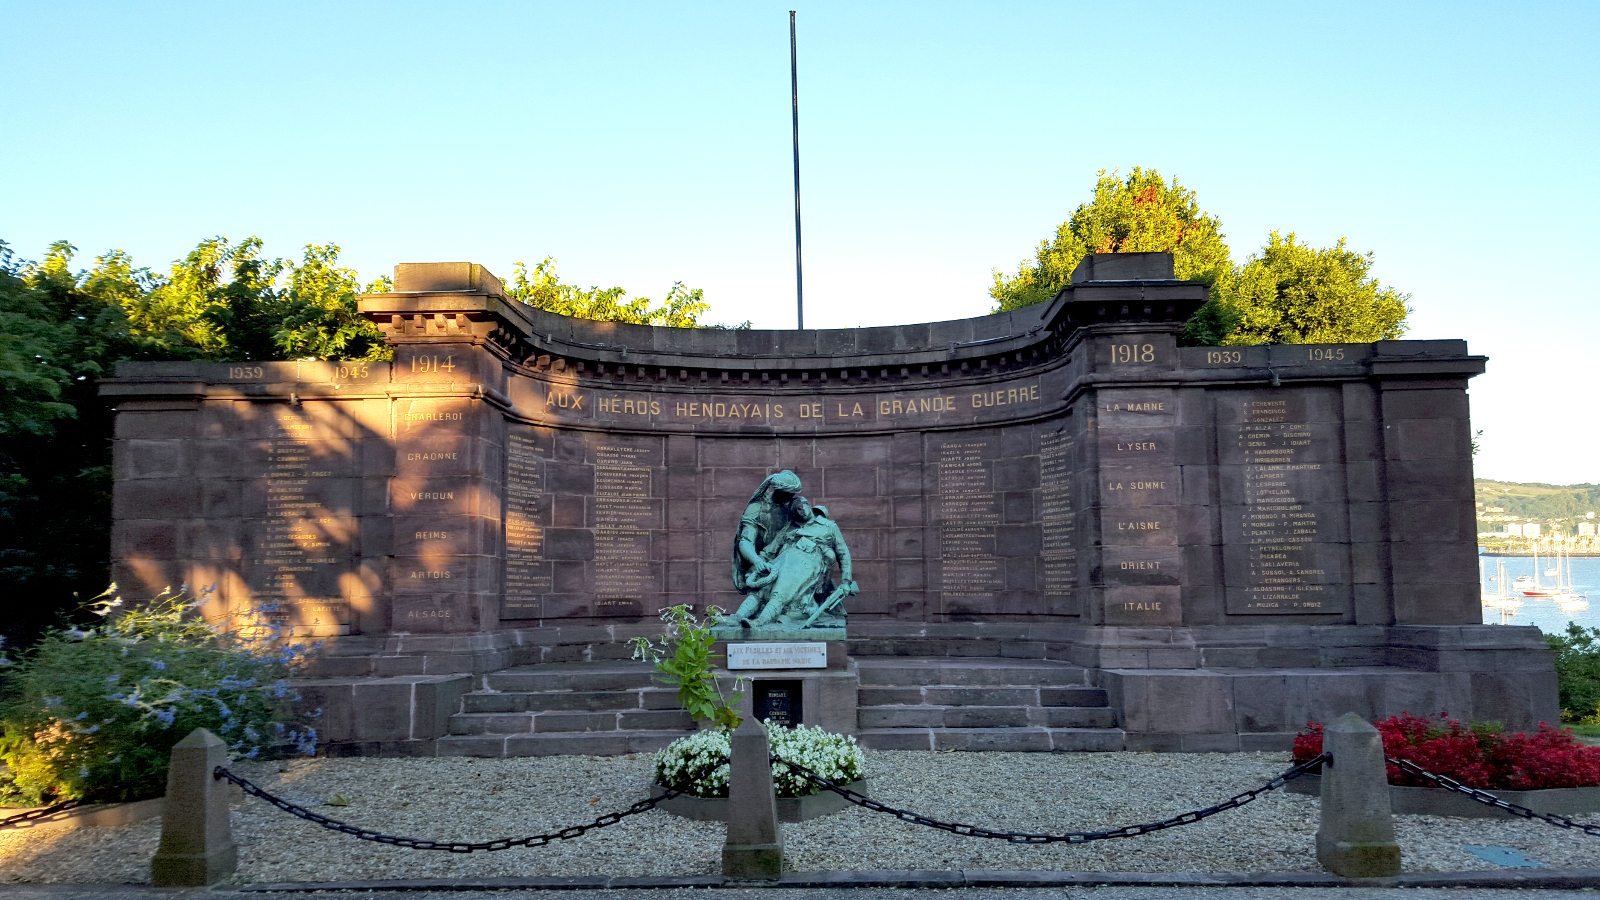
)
(968, 514)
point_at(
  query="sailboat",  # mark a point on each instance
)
(1530, 585)
(1501, 602)
(1566, 598)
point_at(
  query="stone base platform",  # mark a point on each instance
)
(939, 686)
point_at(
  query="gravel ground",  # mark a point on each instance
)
(468, 799)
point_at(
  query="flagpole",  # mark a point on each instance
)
(794, 97)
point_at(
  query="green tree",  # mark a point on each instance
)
(1141, 213)
(59, 331)
(319, 317)
(541, 288)
(1287, 293)
(1291, 293)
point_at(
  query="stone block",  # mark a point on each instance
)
(197, 846)
(1003, 739)
(1355, 837)
(753, 849)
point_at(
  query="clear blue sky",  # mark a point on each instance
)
(640, 144)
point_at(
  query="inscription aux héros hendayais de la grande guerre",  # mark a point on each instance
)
(648, 407)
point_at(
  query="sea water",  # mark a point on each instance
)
(1542, 611)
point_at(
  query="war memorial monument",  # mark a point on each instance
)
(1052, 528)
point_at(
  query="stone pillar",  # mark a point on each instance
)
(197, 846)
(1356, 836)
(754, 848)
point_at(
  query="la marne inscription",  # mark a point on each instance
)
(1065, 463)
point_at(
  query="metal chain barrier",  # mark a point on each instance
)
(43, 812)
(538, 840)
(1078, 837)
(1488, 799)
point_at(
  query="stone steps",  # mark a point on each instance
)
(592, 743)
(593, 708)
(981, 704)
(1017, 739)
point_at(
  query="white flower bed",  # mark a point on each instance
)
(699, 762)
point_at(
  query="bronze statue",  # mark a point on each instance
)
(784, 557)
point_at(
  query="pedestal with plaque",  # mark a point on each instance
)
(793, 683)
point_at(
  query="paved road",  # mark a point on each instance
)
(91, 892)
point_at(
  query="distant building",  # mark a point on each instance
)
(1585, 528)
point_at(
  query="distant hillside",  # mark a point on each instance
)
(1539, 501)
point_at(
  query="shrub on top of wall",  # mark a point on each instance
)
(93, 715)
(1477, 754)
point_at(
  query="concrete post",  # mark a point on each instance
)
(754, 848)
(196, 837)
(1356, 836)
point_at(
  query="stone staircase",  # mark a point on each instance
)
(588, 708)
(609, 708)
(955, 703)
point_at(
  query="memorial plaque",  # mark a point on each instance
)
(1286, 554)
(624, 516)
(1058, 555)
(528, 505)
(778, 655)
(967, 512)
(777, 702)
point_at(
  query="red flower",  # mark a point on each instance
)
(1478, 755)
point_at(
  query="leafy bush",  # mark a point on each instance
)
(1478, 754)
(94, 714)
(1578, 670)
(688, 668)
(699, 763)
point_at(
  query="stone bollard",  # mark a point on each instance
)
(1356, 836)
(754, 848)
(196, 837)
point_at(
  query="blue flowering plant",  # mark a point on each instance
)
(93, 714)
